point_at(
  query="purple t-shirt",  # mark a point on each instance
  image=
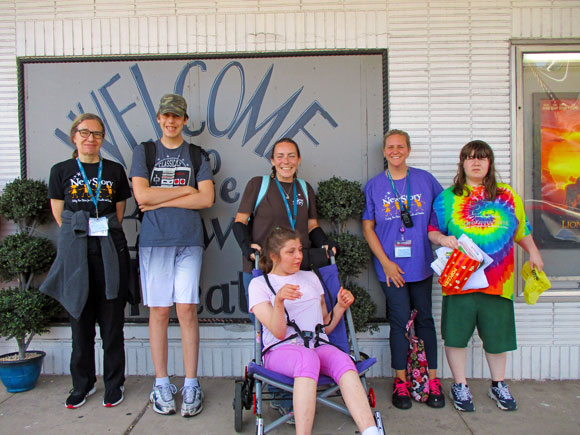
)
(306, 311)
(382, 206)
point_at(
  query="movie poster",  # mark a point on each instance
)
(557, 174)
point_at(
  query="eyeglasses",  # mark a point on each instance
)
(471, 158)
(86, 133)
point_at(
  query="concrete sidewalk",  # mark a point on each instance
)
(549, 407)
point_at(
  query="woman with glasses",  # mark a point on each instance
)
(492, 215)
(87, 196)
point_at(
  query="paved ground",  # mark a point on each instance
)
(544, 408)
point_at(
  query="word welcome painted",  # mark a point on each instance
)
(248, 113)
(332, 105)
(247, 117)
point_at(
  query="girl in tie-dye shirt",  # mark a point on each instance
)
(492, 215)
(494, 226)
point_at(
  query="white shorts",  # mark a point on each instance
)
(170, 275)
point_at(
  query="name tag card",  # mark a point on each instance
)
(98, 227)
(403, 249)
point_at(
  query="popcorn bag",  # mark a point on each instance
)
(457, 271)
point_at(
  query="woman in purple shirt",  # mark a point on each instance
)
(397, 213)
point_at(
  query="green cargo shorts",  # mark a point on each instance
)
(493, 316)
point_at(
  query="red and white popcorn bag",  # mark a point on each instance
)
(457, 271)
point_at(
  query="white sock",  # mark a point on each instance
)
(191, 382)
(162, 381)
(371, 430)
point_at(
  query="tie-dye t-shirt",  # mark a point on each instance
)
(493, 225)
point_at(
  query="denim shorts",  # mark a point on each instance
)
(170, 274)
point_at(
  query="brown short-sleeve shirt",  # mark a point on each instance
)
(271, 211)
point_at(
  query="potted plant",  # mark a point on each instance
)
(338, 201)
(24, 311)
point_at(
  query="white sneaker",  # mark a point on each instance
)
(192, 401)
(162, 400)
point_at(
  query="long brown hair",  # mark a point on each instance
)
(274, 244)
(283, 140)
(478, 149)
(81, 118)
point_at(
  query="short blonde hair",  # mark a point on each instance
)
(393, 132)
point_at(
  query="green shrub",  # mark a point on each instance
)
(353, 256)
(23, 254)
(25, 312)
(339, 200)
(362, 309)
(25, 202)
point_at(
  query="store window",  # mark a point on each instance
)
(546, 167)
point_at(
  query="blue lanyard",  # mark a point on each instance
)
(94, 197)
(291, 216)
(402, 205)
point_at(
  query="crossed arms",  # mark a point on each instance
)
(151, 198)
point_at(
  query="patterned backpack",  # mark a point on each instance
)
(417, 368)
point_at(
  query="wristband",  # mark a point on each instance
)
(242, 235)
(332, 245)
(318, 237)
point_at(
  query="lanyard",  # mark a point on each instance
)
(291, 216)
(94, 197)
(402, 205)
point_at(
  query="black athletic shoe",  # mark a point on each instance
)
(461, 397)
(436, 398)
(76, 399)
(113, 397)
(401, 396)
(502, 396)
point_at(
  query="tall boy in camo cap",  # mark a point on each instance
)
(170, 249)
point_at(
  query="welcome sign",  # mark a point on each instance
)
(332, 105)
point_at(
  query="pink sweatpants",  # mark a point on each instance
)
(295, 360)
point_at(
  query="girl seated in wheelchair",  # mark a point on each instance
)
(285, 293)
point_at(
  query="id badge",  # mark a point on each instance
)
(403, 249)
(98, 227)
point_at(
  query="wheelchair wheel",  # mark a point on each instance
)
(248, 393)
(238, 423)
(372, 398)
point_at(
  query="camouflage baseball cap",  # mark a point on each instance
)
(173, 103)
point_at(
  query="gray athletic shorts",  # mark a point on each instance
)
(170, 275)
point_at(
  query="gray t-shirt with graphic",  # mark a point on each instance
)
(170, 226)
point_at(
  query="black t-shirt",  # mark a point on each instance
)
(67, 183)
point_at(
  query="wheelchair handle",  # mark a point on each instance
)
(256, 259)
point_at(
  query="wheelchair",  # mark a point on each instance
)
(249, 394)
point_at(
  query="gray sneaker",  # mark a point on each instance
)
(192, 401)
(278, 406)
(161, 399)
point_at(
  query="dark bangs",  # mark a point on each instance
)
(478, 149)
